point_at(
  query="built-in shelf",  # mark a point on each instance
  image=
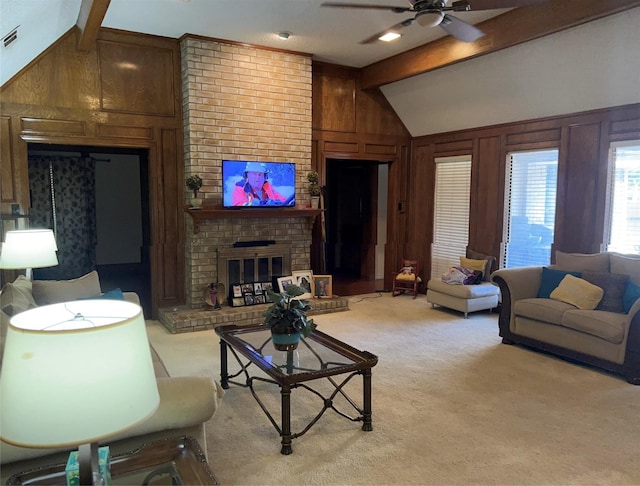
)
(218, 213)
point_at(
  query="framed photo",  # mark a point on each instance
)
(237, 291)
(237, 302)
(304, 278)
(284, 281)
(323, 286)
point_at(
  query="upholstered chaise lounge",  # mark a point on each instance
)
(540, 310)
(466, 298)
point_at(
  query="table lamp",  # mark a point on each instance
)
(76, 373)
(35, 248)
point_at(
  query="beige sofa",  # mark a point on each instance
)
(607, 336)
(186, 403)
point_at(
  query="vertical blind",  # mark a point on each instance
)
(530, 208)
(622, 226)
(451, 213)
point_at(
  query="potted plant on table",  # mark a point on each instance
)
(194, 183)
(287, 317)
(314, 189)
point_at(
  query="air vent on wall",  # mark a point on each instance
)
(10, 37)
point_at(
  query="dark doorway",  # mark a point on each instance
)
(120, 251)
(352, 223)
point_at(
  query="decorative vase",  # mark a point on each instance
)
(315, 202)
(285, 342)
(196, 202)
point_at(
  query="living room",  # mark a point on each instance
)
(336, 119)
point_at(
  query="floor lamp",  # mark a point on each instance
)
(76, 373)
(28, 249)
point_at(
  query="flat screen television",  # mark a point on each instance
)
(258, 184)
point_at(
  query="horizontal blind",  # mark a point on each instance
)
(530, 205)
(451, 213)
(623, 190)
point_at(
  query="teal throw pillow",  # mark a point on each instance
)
(631, 294)
(115, 294)
(551, 279)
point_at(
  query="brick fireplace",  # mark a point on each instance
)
(244, 103)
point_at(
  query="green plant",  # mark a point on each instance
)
(313, 178)
(287, 314)
(194, 183)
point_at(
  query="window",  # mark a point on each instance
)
(451, 213)
(530, 208)
(622, 226)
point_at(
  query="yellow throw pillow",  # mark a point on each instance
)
(577, 291)
(479, 265)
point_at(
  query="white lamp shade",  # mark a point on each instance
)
(29, 249)
(429, 19)
(75, 372)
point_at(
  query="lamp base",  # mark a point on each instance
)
(89, 465)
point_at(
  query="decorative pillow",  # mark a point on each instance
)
(613, 284)
(491, 262)
(115, 294)
(479, 265)
(627, 264)
(408, 277)
(17, 297)
(631, 294)
(47, 292)
(580, 262)
(577, 291)
(551, 279)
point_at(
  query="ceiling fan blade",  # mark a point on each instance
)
(369, 6)
(493, 4)
(393, 28)
(460, 29)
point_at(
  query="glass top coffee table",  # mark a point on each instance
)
(318, 357)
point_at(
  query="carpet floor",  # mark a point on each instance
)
(451, 405)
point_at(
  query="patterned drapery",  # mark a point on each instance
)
(63, 199)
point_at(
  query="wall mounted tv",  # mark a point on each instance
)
(258, 184)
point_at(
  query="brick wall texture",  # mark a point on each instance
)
(242, 103)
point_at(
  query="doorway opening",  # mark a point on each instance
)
(110, 230)
(356, 224)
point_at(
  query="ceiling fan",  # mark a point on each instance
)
(431, 13)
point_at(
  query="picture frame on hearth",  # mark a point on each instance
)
(304, 279)
(284, 281)
(237, 291)
(323, 286)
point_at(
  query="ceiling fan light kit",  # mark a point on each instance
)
(431, 13)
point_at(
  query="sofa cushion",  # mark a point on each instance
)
(545, 310)
(464, 291)
(47, 292)
(17, 296)
(609, 326)
(627, 264)
(579, 292)
(613, 285)
(550, 279)
(582, 262)
(631, 294)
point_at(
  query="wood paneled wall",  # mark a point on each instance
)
(124, 93)
(353, 124)
(583, 141)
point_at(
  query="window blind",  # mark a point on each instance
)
(530, 206)
(622, 226)
(451, 213)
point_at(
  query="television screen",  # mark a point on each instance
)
(258, 184)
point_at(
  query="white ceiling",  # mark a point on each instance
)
(329, 34)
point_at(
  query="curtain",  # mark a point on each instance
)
(63, 199)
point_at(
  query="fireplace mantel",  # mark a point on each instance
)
(217, 213)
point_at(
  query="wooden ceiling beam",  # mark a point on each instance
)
(509, 29)
(90, 19)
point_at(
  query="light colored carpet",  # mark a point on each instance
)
(451, 405)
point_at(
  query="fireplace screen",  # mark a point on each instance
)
(253, 264)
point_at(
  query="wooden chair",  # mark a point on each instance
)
(407, 279)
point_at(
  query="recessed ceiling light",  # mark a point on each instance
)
(284, 35)
(389, 36)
